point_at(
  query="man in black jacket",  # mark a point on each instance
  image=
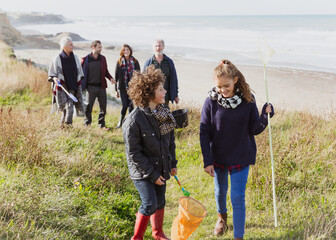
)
(95, 71)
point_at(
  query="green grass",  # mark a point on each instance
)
(16, 98)
(65, 184)
(74, 183)
(305, 167)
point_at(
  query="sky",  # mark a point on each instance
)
(70, 8)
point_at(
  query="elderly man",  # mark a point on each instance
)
(66, 70)
(161, 61)
(95, 71)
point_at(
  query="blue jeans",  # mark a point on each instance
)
(152, 196)
(238, 186)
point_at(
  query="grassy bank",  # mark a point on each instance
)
(73, 183)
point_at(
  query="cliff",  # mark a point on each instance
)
(8, 33)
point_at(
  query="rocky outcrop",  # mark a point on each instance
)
(8, 33)
(36, 18)
(50, 40)
(58, 36)
(13, 37)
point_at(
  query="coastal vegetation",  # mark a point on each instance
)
(73, 183)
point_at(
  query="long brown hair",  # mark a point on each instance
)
(122, 52)
(229, 70)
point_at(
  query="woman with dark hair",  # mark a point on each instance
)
(150, 148)
(126, 65)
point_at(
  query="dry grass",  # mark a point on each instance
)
(16, 76)
(19, 133)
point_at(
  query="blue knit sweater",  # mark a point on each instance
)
(227, 135)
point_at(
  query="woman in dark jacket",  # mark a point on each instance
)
(150, 148)
(126, 65)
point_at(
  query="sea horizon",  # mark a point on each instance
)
(304, 42)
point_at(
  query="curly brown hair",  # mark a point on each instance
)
(143, 85)
(228, 69)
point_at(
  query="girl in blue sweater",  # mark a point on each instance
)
(229, 121)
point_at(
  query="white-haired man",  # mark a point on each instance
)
(161, 61)
(66, 69)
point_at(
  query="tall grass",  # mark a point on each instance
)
(18, 133)
(74, 184)
(16, 76)
(305, 167)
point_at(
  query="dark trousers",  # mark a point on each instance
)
(93, 93)
(167, 98)
(152, 196)
(126, 103)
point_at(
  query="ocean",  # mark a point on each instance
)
(306, 42)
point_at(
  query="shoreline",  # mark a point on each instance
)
(289, 89)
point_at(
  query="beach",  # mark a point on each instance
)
(289, 89)
(301, 74)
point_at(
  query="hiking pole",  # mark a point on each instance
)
(266, 53)
(69, 94)
(185, 192)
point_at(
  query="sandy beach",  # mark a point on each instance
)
(288, 89)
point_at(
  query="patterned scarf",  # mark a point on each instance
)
(232, 102)
(128, 68)
(166, 120)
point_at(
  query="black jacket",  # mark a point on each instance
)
(149, 154)
(119, 76)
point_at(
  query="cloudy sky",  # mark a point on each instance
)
(171, 7)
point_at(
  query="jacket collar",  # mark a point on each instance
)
(64, 55)
(92, 58)
(164, 57)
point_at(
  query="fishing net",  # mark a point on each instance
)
(191, 214)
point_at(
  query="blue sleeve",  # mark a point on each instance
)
(205, 133)
(174, 76)
(147, 63)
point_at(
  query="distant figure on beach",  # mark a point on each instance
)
(161, 61)
(125, 67)
(94, 82)
(66, 69)
(229, 121)
(150, 148)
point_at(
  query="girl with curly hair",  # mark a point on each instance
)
(150, 148)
